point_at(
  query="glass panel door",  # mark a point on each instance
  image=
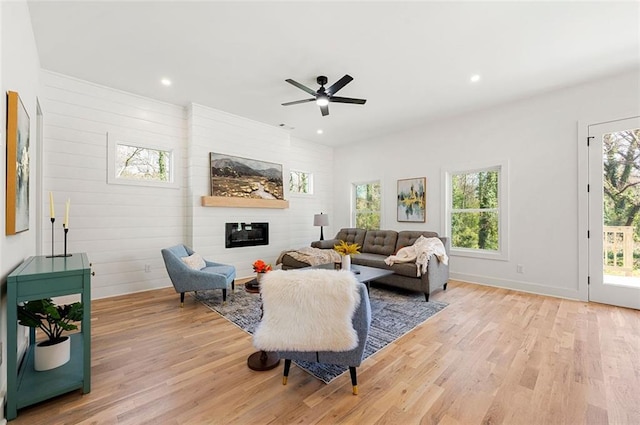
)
(614, 213)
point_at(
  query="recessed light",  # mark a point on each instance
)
(475, 78)
(319, 131)
(166, 82)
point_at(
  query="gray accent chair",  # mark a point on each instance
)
(361, 322)
(186, 279)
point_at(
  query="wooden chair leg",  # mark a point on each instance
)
(224, 295)
(181, 299)
(285, 376)
(354, 379)
(233, 285)
(445, 286)
(426, 296)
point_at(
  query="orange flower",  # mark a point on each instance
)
(260, 266)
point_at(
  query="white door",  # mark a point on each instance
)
(614, 213)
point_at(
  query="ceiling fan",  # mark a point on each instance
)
(323, 96)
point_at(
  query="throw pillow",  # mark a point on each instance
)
(195, 261)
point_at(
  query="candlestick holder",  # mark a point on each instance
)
(53, 220)
(66, 230)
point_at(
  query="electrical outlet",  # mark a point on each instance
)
(147, 268)
(520, 268)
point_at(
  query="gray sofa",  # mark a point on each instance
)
(378, 245)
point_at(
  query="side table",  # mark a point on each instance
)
(37, 278)
(260, 360)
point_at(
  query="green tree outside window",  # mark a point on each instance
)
(475, 210)
(367, 205)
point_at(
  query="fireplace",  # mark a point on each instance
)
(246, 234)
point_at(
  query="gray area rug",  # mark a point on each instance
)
(394, 312)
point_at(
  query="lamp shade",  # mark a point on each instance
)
(320, 220)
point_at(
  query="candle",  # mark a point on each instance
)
(66, 215)
(51, 211)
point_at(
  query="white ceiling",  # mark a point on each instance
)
(411, 60)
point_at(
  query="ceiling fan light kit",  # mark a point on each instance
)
(323, 96)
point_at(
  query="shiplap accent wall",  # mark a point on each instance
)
(215, 131)
(121, 228)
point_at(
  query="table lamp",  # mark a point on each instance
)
(321, 220)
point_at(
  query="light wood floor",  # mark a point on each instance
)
(492, 356)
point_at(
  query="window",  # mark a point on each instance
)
(366, 214)
(476, 215)
(139, 164)
(300, 182)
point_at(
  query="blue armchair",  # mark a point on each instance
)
(319, 316)
(207, 275)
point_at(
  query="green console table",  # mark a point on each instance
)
(37, 278)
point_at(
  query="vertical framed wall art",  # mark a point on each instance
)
(17, 193)
(412, 200)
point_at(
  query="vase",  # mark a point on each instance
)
(346, 262)
(48, 357)
(259, 277)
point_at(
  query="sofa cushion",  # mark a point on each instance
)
(382, 242)
(351, 235)
(405, 269)
(408, 238)
(370, 260)
(377, 261)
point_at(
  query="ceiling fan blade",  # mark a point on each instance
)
(296, 102)
(339, 84)
(301, 87)
(339, 99)
(325, 110)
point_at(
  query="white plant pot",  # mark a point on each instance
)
(346, 262)
(51, 356)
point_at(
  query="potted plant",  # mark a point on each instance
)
(347, 249)
(53, 320)
(260, 267)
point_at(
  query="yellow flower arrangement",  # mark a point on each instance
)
(346, 248)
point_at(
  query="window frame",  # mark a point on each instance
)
(113, 140)
(502, 254)
(354, 201)
(311, 183)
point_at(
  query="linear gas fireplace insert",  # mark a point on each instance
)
(246, 234)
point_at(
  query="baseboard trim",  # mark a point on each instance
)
(532, 288)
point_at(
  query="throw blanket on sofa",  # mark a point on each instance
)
(307, 310)
(312, 256)
(420, 252)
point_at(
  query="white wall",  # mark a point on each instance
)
(214, 131)
(19, 67)
(538, 138)
(122, 228)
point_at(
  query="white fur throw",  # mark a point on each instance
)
(420, 252)
(307, 310)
